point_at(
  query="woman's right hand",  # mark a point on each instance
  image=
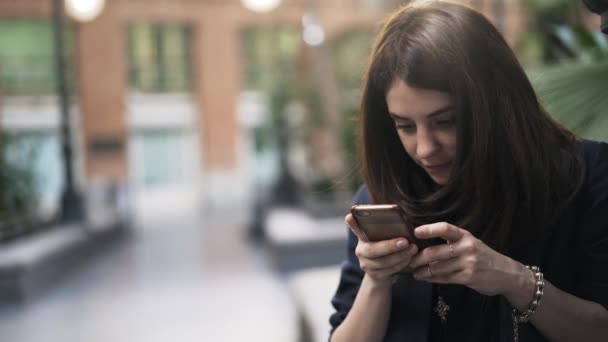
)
(381, 260)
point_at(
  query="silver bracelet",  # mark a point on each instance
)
(524, 317)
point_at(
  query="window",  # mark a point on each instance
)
(27, 63)
(266, 53)
(160, 57)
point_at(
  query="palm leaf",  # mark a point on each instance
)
(576, 95)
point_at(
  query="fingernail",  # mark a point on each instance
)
(401, 244)
(420, 232)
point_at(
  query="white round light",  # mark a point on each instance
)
(313, 35)
(84, 10)
(261, 5)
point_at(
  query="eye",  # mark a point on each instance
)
(406, 127)
(444, 123)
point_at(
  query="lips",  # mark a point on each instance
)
(436, 167)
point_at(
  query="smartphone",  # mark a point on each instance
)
(384, 222)
(381, 221)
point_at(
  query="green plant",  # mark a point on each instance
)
(574, 92)
(575, 95)
(17, 196)
(350, 51)
(539, 45)
(349, 144)
(568, 65)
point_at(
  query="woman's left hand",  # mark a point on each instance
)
(465, 260)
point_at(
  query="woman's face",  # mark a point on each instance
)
(426, 124)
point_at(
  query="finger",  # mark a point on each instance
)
(461, 277)
(379, 249)
(389, 271)
(442, 230)
(451, 278)
(434, 254)
(412, 249)
(392, 260)
(438, 269)
(352, 224)
(403, 268)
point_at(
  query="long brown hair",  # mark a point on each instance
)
(515, 167)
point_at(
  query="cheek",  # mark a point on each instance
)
(448, 142)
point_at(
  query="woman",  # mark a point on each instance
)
(451, 131)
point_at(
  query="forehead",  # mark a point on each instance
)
(411, 102)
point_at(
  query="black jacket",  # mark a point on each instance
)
(573, 257)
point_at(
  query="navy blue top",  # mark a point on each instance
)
(573, 256)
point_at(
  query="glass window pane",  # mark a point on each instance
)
(27, 65)
(159, 57)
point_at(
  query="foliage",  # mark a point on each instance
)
(349, 143)
(545, 6)
(350, 53)
(574, 92)
(17, 196)
(568, 65)
(540, 45)
(269, 65)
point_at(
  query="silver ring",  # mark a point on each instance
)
(452, 255)
(428, 267)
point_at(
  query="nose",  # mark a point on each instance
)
(426, 144)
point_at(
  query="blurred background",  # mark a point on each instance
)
(179, 170)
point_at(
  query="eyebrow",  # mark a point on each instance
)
(430, 115)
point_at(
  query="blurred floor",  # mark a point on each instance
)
(180, 277)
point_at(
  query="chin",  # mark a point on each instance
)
(440, 180)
